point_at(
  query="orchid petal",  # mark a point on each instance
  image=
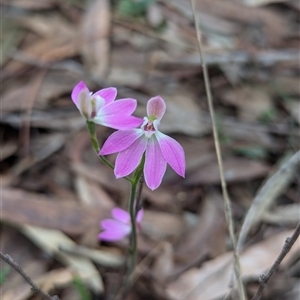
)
(108, 236)
(140, 215)
(119, 121)
(155, 164)
(117, 115)
(108, 224)
(108, 94)
(124, 107)
(172, 152)
(120, 140)
(156, 107)
(121, 215)
(117, 231)
(80, 90)
(128, 159)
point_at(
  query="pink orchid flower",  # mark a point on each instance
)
(101, 107)
(160, 148)
(120, 226)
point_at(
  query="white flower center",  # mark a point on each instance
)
(96, 104)
(149, 127)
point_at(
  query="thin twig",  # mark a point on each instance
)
(228, 212)
(34, 287)
(264, 278)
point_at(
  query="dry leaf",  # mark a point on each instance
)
(7, 149)
(251, 102)
(23, 207)
(255, 3)
(30, 4)
(183, 115)
(52, 87)
(263, 57)
(99, 174)
(272, 26)
(47, 282)
(197, 241)
(60, 42)
(105, 258)
(212, 23)
(211, 281)
(162, 198)
(48, 119)
(283, 214)
(198, 152)
(267, 194)
(47, 26)
(127, 66)
(95, 47)
(93, 195)
(286, 85)
(163, 264)
(51, 240)
(293, 106)
(235, 170)
(162, 226)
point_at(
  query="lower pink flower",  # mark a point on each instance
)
(119, 227)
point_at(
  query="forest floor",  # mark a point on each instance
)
(55, 191)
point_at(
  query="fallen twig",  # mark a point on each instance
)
(264, 278)
(7, 258)
(228, 212)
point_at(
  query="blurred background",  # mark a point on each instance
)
(55, 191)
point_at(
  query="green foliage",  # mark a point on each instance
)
(279, 91)
(78, 2)
(81, 289)
(133, 8)
(9, 38)
(268, 116)
(3, 274)
(224, 138)
(253, 152)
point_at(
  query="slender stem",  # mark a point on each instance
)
(289, 242)
(138, 204)
(228, 212)
(138, 179)
(92, 131)
(133, 239)
(34, 287)
(133, 211)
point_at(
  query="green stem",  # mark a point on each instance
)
(139, 171)
(92, 131)
(138, 204)
(133, 239)
(133, 201)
